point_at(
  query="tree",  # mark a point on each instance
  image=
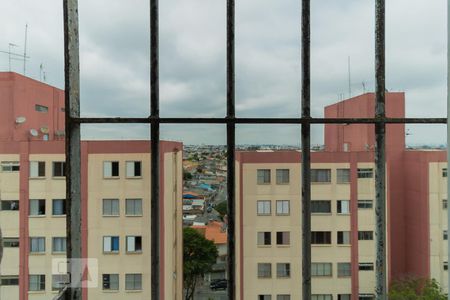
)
(187, 175)
(222, 208)
(199, 255)
(416, 289)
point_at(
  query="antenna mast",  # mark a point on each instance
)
(25, 50)
(349, 80)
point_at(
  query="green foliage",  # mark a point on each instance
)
(222, 208)
(416, 289)
(199, 255)
(187, 175)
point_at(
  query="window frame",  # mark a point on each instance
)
(379, 120)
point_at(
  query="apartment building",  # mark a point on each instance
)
(115, 203)
(343, 212)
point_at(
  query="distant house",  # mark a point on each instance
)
(216, 232)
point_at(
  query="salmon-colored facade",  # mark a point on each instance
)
(115, 202)
(416, 217)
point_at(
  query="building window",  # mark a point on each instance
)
(445, 235)
(444, 172)
(343, 237)
(320, 175)
(445, 266)
(41, 108)
(58, 168)
(263, 176)
(283, 238)
(59, 281)
(263, 207)
(10, 166)
(111, 207)
(59, 244)
(321, 269)
(321, 237)
(36, 283)
(110, 244)
(366, 297)
(344, 269)
(343, 175)
(133, 207)
(133, 169)
(37, 244)
(264, 297)
(37, 168)
(283, 297)
(321, 206)
(37, 207)
(282, 176)
(264, 270)
(10, 205)
(283, 270)
(444, 204)
(365, 235)
(133, 282)
(134, 244)
(321, 297)
(59, 207)
(111, 282)
(9, 280)
(365, 173)
(110, 169)
(343, 206)
(366, 266)
(283, 207)
(344, 297)
(10, 242)
(264, 238)
(365, 204)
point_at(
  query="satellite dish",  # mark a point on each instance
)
(33, 132)
(44, 129)
(20, 120)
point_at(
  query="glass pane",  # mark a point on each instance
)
(192, 58)
(267, 58)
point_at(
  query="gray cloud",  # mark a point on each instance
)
(114, 47)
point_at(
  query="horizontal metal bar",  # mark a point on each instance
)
(227, 120)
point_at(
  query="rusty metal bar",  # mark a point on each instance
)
(231, 140)
(380, 155)
(72, 147)
(226, 120)
(155, 180)
(306, 152)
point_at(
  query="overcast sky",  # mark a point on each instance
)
(114, 46)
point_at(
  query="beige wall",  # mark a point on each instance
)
(9, 222)
(438, 223)
(254, 254)
(334, 222)
(49, 226)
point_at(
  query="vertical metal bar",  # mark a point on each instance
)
(155, 180)
(448, 131)
(306, 154)
(73, 155)
(231, 129)
(380, 157)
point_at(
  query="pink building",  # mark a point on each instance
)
(115, 195)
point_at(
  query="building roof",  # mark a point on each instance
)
(213, 232)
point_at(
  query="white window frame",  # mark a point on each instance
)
(264, 207)
(283, 207)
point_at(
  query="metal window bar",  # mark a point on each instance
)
(73, 122)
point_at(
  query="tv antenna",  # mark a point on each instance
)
(349, 79)
(25, 50)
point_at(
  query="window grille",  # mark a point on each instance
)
(72, 137)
